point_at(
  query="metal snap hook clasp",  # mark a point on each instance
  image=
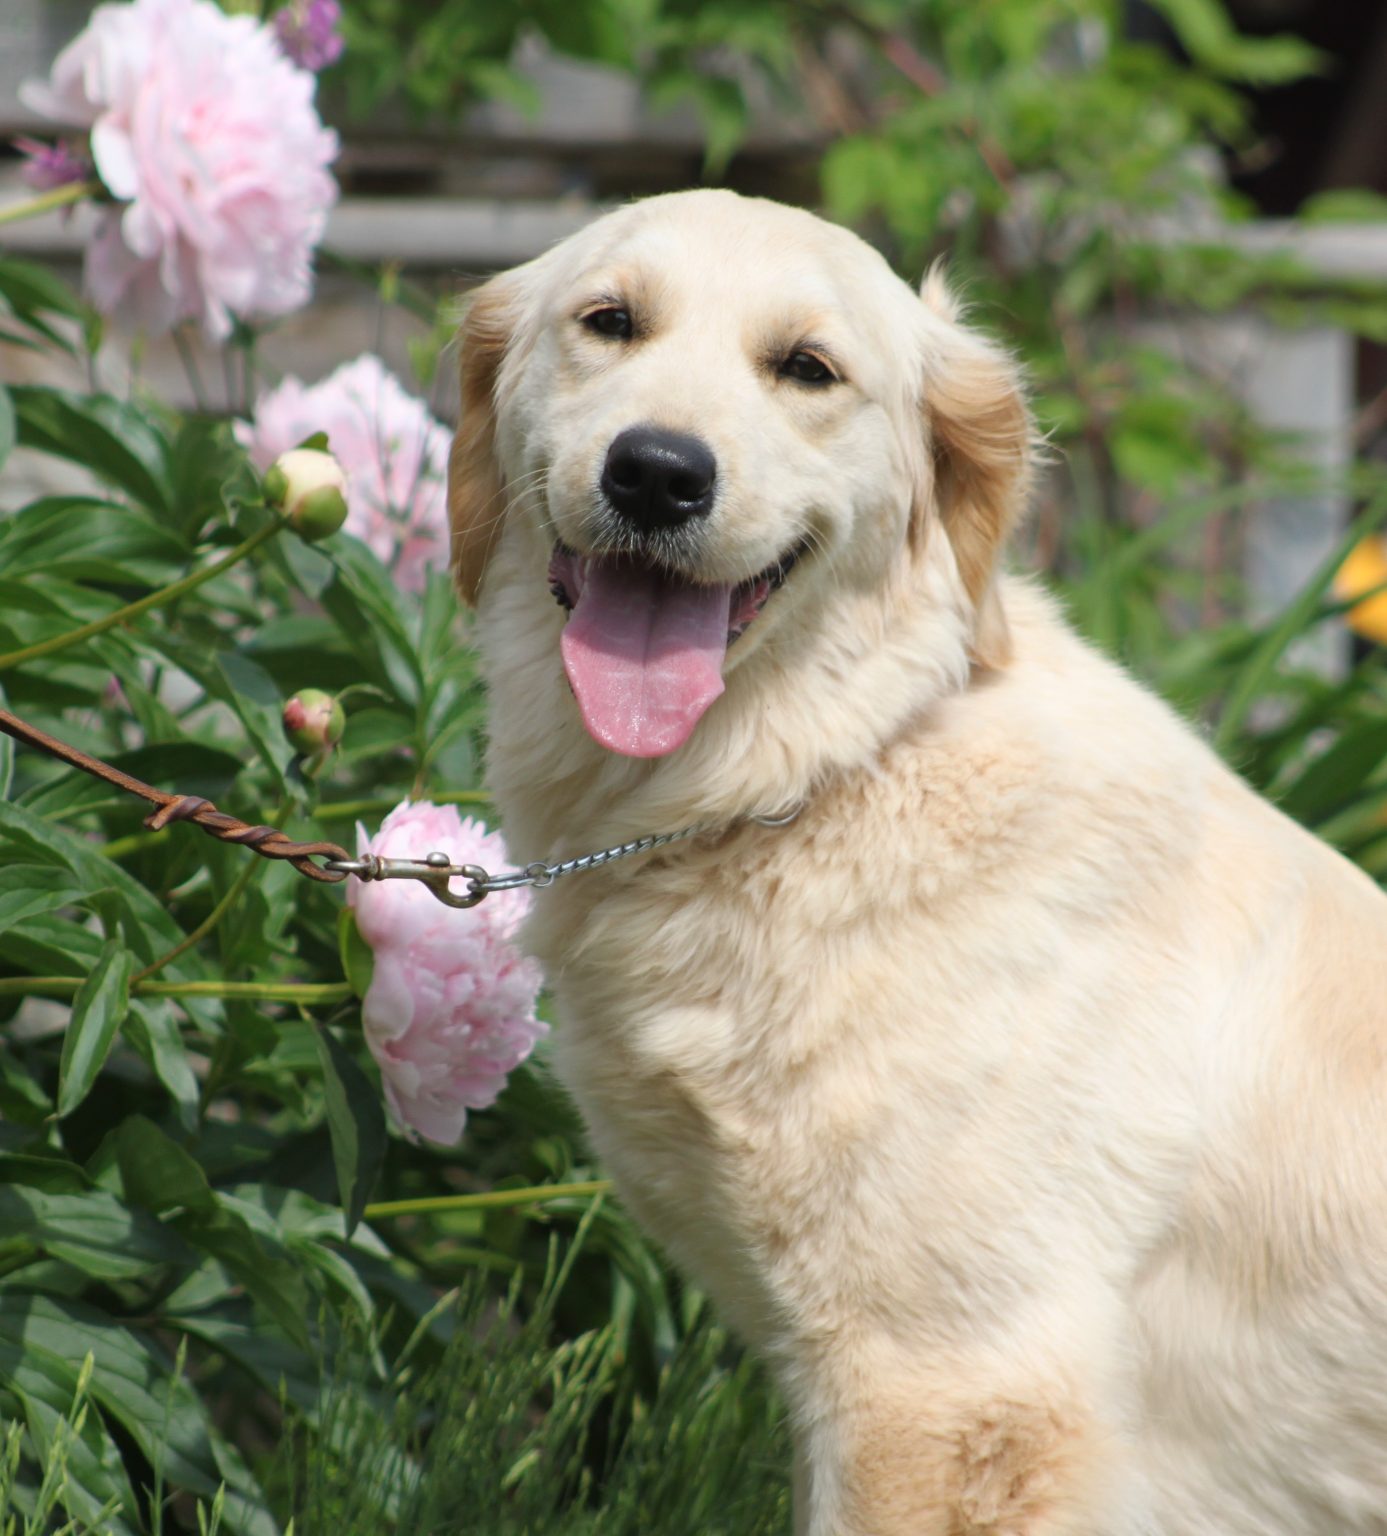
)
(443, 870)
(434, 870)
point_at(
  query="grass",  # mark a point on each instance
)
(504, 1430)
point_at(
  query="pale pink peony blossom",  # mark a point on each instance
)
(207, 137)
(394, 452)
(451, 1006)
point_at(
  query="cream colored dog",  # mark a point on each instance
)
(1024, 1101)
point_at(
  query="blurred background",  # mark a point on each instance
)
(1174, 210)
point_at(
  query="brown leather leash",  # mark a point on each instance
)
(269, 842)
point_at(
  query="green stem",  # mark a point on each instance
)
(190, 368)
(306, 993)
(483, 1258)
(45, 202)
(86, 808)
(118, 847)
(238, 885)
(532, 1194)
(411, 297)
(344, 810)
(153, 600)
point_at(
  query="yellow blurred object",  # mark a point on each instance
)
(1365, 569)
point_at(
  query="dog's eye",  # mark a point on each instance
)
(610, 322)
(806, 368)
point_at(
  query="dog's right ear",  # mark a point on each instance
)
(476, 494)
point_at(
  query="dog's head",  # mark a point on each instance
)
(709, 413)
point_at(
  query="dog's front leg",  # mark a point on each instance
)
(949, 1453)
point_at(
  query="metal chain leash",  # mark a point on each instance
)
(434, 870)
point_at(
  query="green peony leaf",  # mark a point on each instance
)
(357, 1125)
(151, 1029)
(113, 438)
(159, 1175)
(34, 888)
(97, 1012)
(91, 1230)
(44, 1341)
(7, 426)
(358, 959)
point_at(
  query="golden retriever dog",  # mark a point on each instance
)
(1023, 1101)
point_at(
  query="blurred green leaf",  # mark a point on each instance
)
(1344, 205)
(1299, 616)
(44, 1341)
(367, 607)
(148, 922)
(36, 297)
(35, 888)
(8, 427)
(358, 959)
(97, 1013)
(1203, 26)
(113, 438)
(81, 539)
(1337, 776)
(95, 1487)
(208, 473)
(46, 1171)
(357, 1123)
(153, 1032)
(91, 1230)
(158, 1174)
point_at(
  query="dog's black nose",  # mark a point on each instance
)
(654, 478)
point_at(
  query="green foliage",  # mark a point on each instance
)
(504, 1433)
(1211, 39)
(185, 1097)
(208, 1234)
(435, 56)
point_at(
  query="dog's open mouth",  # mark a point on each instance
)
(644, 647)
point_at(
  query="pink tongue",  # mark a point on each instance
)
(644, 655)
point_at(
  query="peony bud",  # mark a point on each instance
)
(313, 721)
(310, 487)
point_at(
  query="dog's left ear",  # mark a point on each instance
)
(476, 494)
(981, 438)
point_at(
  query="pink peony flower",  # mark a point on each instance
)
(307, 32)
(451, 1006)
(395, 455)
(207, 138)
